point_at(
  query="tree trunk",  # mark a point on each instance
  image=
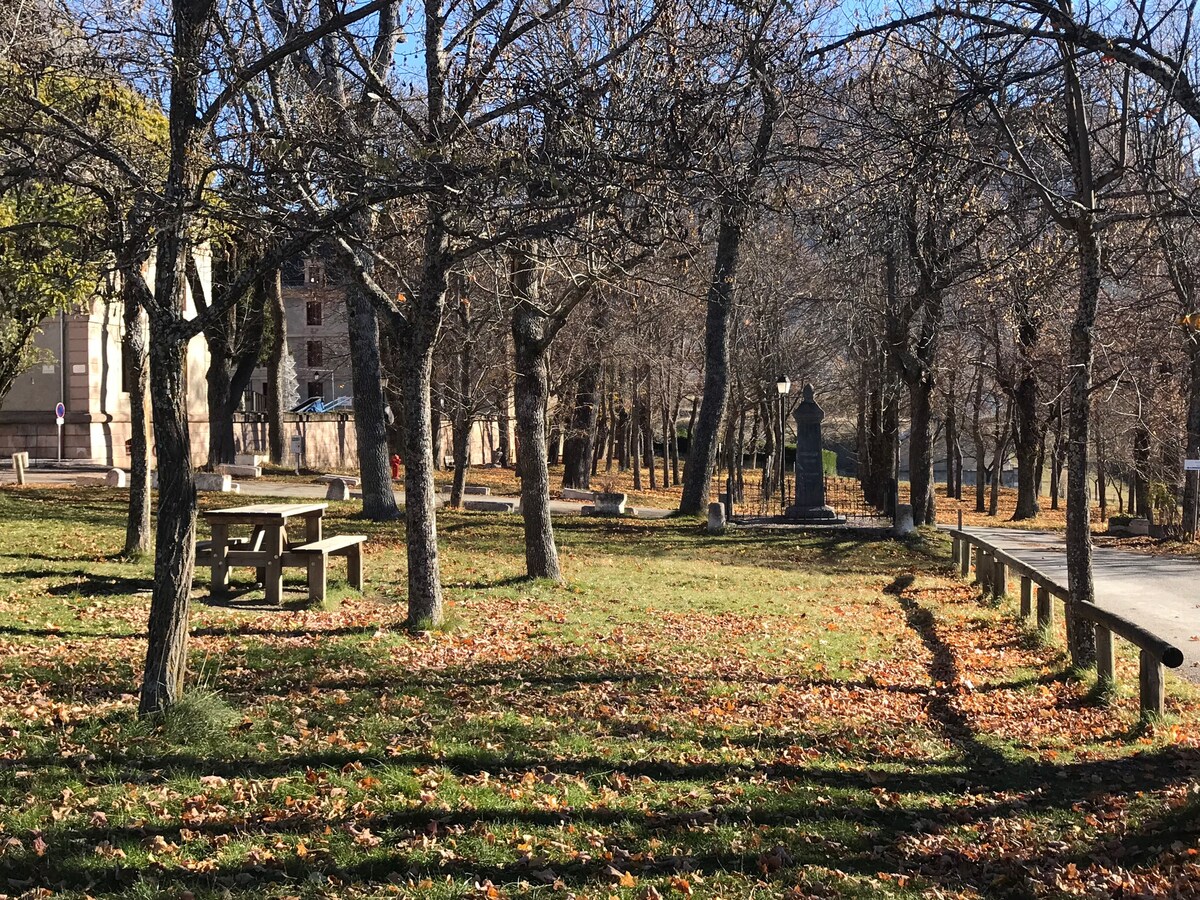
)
(1191, 493)
(220, 420)
(1081, 638)
(951, 436)
(648, 431)
(1139, 500)
(276, 402)
(579, 452)
(420, 495)
(1101, 474)
(920, 451)
(370, 422)
(1028, 430)
(603, 428)
(175, 535)
(635, 435)
(980, 449)
(1027, 441)
(1001, 452)
(461, 425)
(702, 448)
(666, 425)
(503, 417)
(134, 346)
(532, 391)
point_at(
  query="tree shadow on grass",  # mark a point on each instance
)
(819, 812)
(889, 837)
(84, 582)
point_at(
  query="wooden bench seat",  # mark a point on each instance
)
(347, 545)
(349, 479)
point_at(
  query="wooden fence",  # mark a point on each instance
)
(993, 567)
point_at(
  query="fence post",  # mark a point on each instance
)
(985, 569)
(1000, 584)
(1026, 596)
(1153, 690)
(954, 549)
(1106, 663)
(964, 562)
(1045, 607)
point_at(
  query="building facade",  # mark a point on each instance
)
(82, 368)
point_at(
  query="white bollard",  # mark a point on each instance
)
(20, 464)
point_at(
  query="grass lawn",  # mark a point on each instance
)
(694, 716)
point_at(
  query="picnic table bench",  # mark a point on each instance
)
(269, 551)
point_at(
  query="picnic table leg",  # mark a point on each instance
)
(273, 581)
(312, 529)
(257, 538)
(354, 567)
(317, 563)
(220, 559)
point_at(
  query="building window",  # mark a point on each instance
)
(314, 312)
(314, 354)
(316, 389)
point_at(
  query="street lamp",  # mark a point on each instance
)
(782, 387)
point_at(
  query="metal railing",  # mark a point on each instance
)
(764, 498)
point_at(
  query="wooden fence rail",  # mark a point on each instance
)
(993, 568)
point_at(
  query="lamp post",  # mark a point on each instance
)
(782, 387)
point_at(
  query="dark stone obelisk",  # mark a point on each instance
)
(810, 467)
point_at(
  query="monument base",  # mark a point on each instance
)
(818, 515)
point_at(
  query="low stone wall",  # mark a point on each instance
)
(99, 440)
(330, 442)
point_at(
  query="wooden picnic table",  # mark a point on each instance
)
(267, 549)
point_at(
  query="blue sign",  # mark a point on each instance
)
(60, 411)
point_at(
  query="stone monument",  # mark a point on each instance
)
(810, 466)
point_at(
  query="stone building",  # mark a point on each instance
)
(81, 367)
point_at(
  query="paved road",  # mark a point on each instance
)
(289, 489)
(1161, 593)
